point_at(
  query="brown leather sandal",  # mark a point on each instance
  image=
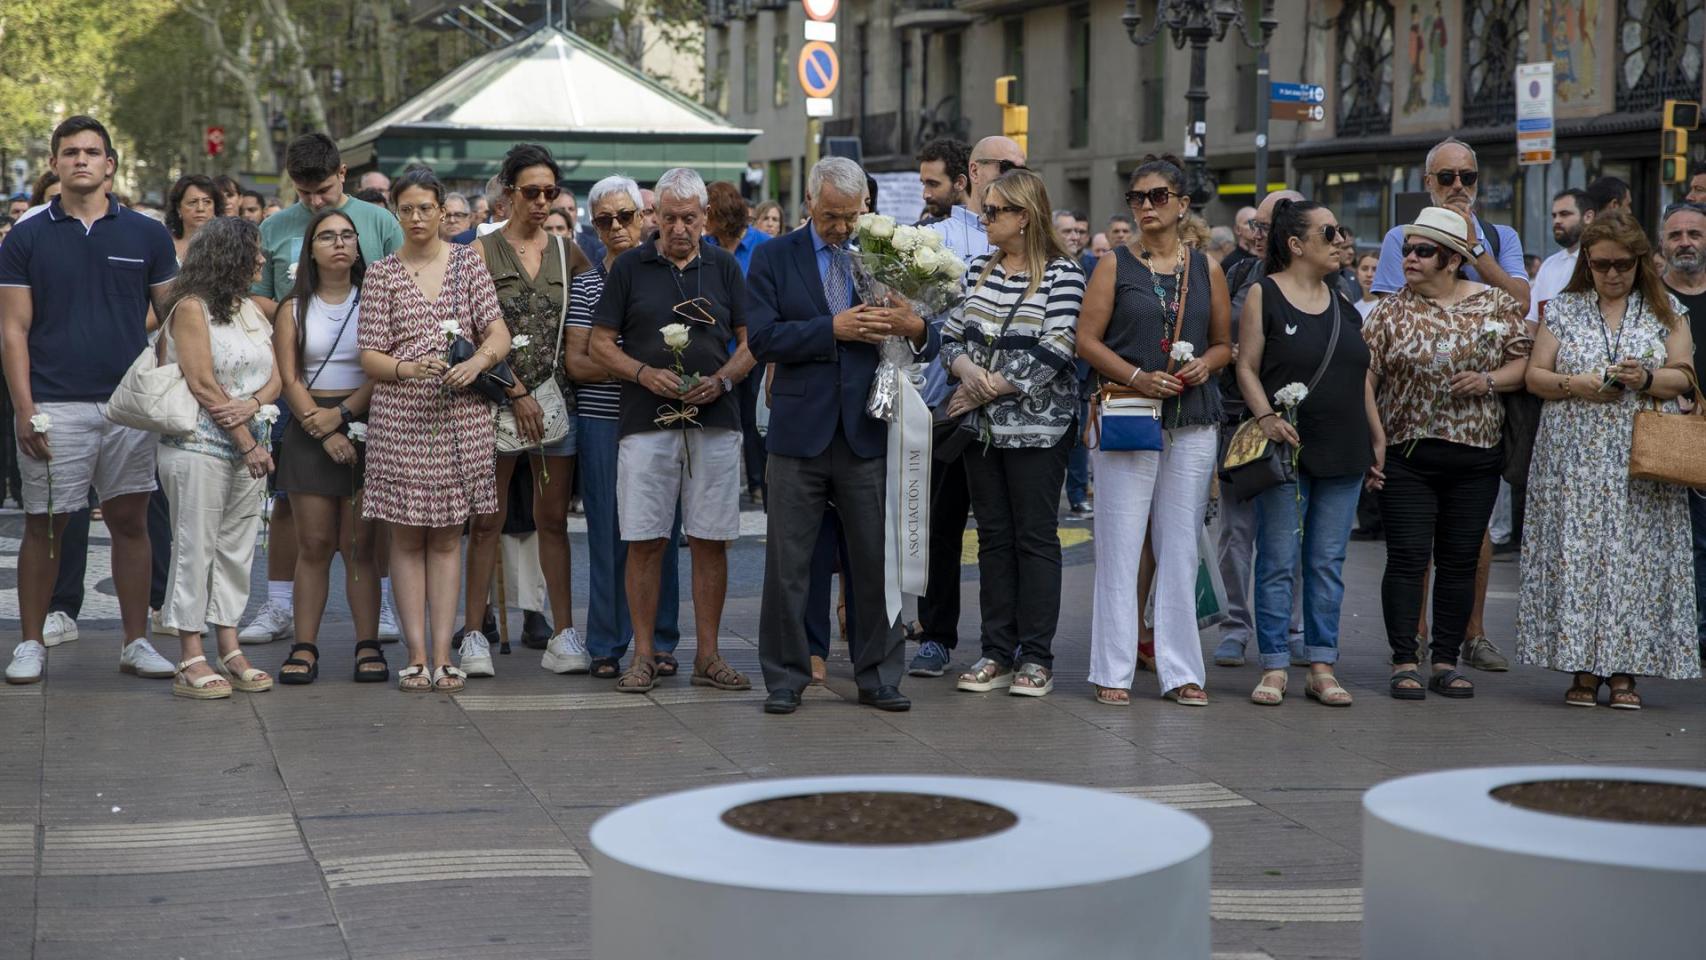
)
(1583, 694)
(716, 672)
(641, 677)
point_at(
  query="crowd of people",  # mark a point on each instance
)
(388, 375)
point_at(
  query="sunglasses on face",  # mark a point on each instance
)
(533, 193)
(624, 217)
(1426, 251)
(1446, 178)
(1157, 197)
(1330, 232)
(1620, 265)
(1004, 165)
(990, 213)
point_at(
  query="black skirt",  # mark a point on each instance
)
(305, 467)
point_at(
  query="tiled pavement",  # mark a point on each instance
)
(352, 821)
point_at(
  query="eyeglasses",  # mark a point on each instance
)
(455, 214)
(423, 212)
(1620, 265)
(1679, 207)
(1260, 226)
(1426, 251)
(335, 238)
(624, 217)
(1004, 165)
(1156, 197)
(531, 194)
(199, 203)
(1446, 178)
(990, 213)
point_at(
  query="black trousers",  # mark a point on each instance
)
(831, 550)
(799, 491)
(1016, 495)
(1436, 505)
(752, 445)
(950, 505)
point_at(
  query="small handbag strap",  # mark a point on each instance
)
(563, 310)
(1332, 345)
(1184, 288)
(302, 325)
(166, 328)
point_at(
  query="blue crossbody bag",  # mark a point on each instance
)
(1123, 420)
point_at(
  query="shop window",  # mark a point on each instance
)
(1365, 68)
(1661, 42)
(1495, 36)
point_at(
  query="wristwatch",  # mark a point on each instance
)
(344, 411)
(728, 385)
(1477, 250)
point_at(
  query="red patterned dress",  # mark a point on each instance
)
(430, 451)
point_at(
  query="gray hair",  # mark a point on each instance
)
(682, 183)
(1221, 238)
(458, 197)
(494, 190)
(839, 174)
(1428, 164)
(611, 186)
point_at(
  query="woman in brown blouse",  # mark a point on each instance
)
(528, 267)
(1440, 349)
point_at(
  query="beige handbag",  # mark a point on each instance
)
(1671, 447)
(152, 395)
(552, 404)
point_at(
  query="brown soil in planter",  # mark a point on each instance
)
(870, 818)
(1624, 801)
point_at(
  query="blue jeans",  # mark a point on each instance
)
(1078, 461)
(608, 629)
(1329, 507)
(1697, 513)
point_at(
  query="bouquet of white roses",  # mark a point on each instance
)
(909, 261)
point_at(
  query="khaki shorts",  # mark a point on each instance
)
(652, 474)
(88, 451)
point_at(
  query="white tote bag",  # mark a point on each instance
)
(154, 396)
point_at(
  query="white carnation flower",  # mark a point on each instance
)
(1290, 395)
(268, 413)
(1183, 352)
(676, 336)
(1492, 328)
(358, 432)
(450, 328)
(520, 341)
(41, 423)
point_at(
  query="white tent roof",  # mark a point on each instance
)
(550, 80)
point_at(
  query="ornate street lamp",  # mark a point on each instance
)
(1196, 22)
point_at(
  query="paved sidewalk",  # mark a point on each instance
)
(354, 821)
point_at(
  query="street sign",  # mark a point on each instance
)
(1535, 135)
(820, 9)
(1296, 93)
(820, 30)
(215, 141)
(819, 69)
(1297, 110)
(820, 107)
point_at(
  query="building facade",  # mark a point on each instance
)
(1399, 75)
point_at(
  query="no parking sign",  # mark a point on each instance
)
(820, 69)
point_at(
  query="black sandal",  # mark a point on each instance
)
(1417, 692)
(362, 675)
(1441, 683)
(606, 668)
(300, 677)
(666, 664)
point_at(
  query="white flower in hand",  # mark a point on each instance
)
(1183, 352)
(358, 432)
(676, 336)
(450, 328)
(1290, 395)
(907, 238)
(268, 413)
(41, 423)
(1492, 328)
(520, 341)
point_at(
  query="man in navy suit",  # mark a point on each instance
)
(804, 315)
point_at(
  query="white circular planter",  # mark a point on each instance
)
(1449, 871)
(1081, 873)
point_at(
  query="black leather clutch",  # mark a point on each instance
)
(494, 385)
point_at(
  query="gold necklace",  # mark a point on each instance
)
(430, 260)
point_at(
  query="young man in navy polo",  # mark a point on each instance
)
(76, 283)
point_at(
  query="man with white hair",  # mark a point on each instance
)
(806, 318)
(455, 216)
(374, 180)
(676, 303)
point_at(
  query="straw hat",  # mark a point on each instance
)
(1444, 227)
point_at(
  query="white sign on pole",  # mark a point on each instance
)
(1535, 134)
(820, 107)
(820, 30)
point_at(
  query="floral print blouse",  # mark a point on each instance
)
(1416, 346)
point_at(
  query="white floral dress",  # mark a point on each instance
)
(1607, 576)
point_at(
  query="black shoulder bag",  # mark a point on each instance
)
(1254, 464)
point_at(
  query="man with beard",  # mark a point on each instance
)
(1572, 211)
(942, 172)
(1682, 240)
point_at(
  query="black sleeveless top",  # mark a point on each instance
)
(1138, 324)
(1332, 422)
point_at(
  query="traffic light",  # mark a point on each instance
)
(1015, 118)
(1680, 116)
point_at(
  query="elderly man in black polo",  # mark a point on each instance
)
(676, 304)
(805, 317)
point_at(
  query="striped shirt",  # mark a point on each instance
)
(1034, 354)
(601, 401)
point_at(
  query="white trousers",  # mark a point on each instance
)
(1164, 494)
(216, 512)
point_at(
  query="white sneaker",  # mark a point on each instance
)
(140, 658)
(58, 628)
(272, 623)
(389, 631)
(27, 660)
(566, 653)
(475, 655)
(157, 624)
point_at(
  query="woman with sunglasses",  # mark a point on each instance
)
(314, 336)
(528, 267)
(617, 208)
(1154, 293)
(1440, 349)
(1607, 585)
(1298, 328)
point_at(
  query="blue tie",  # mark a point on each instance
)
(838, 286)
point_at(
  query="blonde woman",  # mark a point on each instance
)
(1011, 344)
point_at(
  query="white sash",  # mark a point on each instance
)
(906, 534)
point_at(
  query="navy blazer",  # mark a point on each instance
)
(821, 383)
